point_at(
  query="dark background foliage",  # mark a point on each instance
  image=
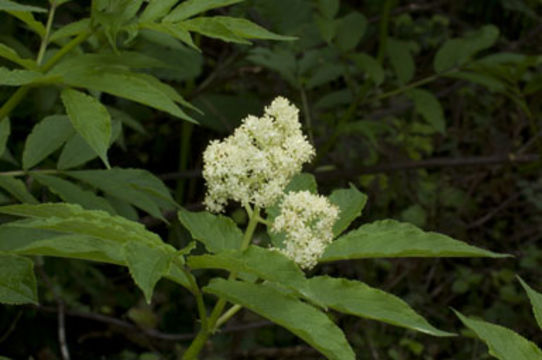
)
(476, 178)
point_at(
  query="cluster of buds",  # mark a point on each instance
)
(253, 167)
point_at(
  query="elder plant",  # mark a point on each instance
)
(259, 167)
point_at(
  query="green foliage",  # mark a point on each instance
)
(17, 281)
(217, 233)
(305, 321)
(390, 238)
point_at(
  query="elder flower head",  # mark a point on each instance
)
(255, 164)
(307, 221)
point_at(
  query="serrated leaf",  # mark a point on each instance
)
(17, 189)
(456, 52)
(17, 280)
(7, 5)
(156, 9)
(216, 232)
(358, 299)
(266, 264)
(71, 193)
(46, 137)
(75, 247)
(390, 238)
(370, 66)
(137, 187)
(27, 17)
(536, 301)
(503, 343)
(90, 119)
(212, 28)
(18, 77)
(73, 219)
(429, 107)
(301, 319)
(178, 31)
(71, 29)
(401, 59)
(5, 131)
(77, 152)
(147, 265)
(119, 82)
(8, 53)
(350, 202)
(189, 8)
(245, 29)
(350, 30)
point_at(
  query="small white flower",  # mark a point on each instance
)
(255, 164)
(307, 221)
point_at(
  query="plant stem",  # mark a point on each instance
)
(215, 319)
(227, 315)
(45, 40)
(20, 93)
(383, 30)
(23, 172)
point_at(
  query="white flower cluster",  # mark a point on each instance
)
(307, 220)
(255, 164)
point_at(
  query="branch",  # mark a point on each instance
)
(125, 325)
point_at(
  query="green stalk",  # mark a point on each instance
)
(215, 319)
(20, 93)
(383, 30)
(45, 40)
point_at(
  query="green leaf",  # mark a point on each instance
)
(358, 299)
(5, 131)
(328, 8)
(212, 28)
(244, 28)
(350, 202)
(77, 152)
(536, 301)
(90, 119)
(7, 5)
(486, 80)
(324, 74)
(8, 53)
(156, 9)
(18, 77)
(75, 247)
(266, 264)
(137, 187)
(456, 52)
(503, 343)
(18, 189)
(428, 106)
(302, 319)
(147, 265)
(401, 59)
(14, 238)
(216, 232)
(71, 193)
(390, 238)
(73, 219)
(279, 60)
(350, 30)
(46, 137)
(189, 8)
(71, 29)
(178, 31)
(370, 66)
(120, 82)
(29, 20)
(17, 280)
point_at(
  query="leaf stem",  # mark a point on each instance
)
(45, 40)
(215, 320)
(20, 93)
